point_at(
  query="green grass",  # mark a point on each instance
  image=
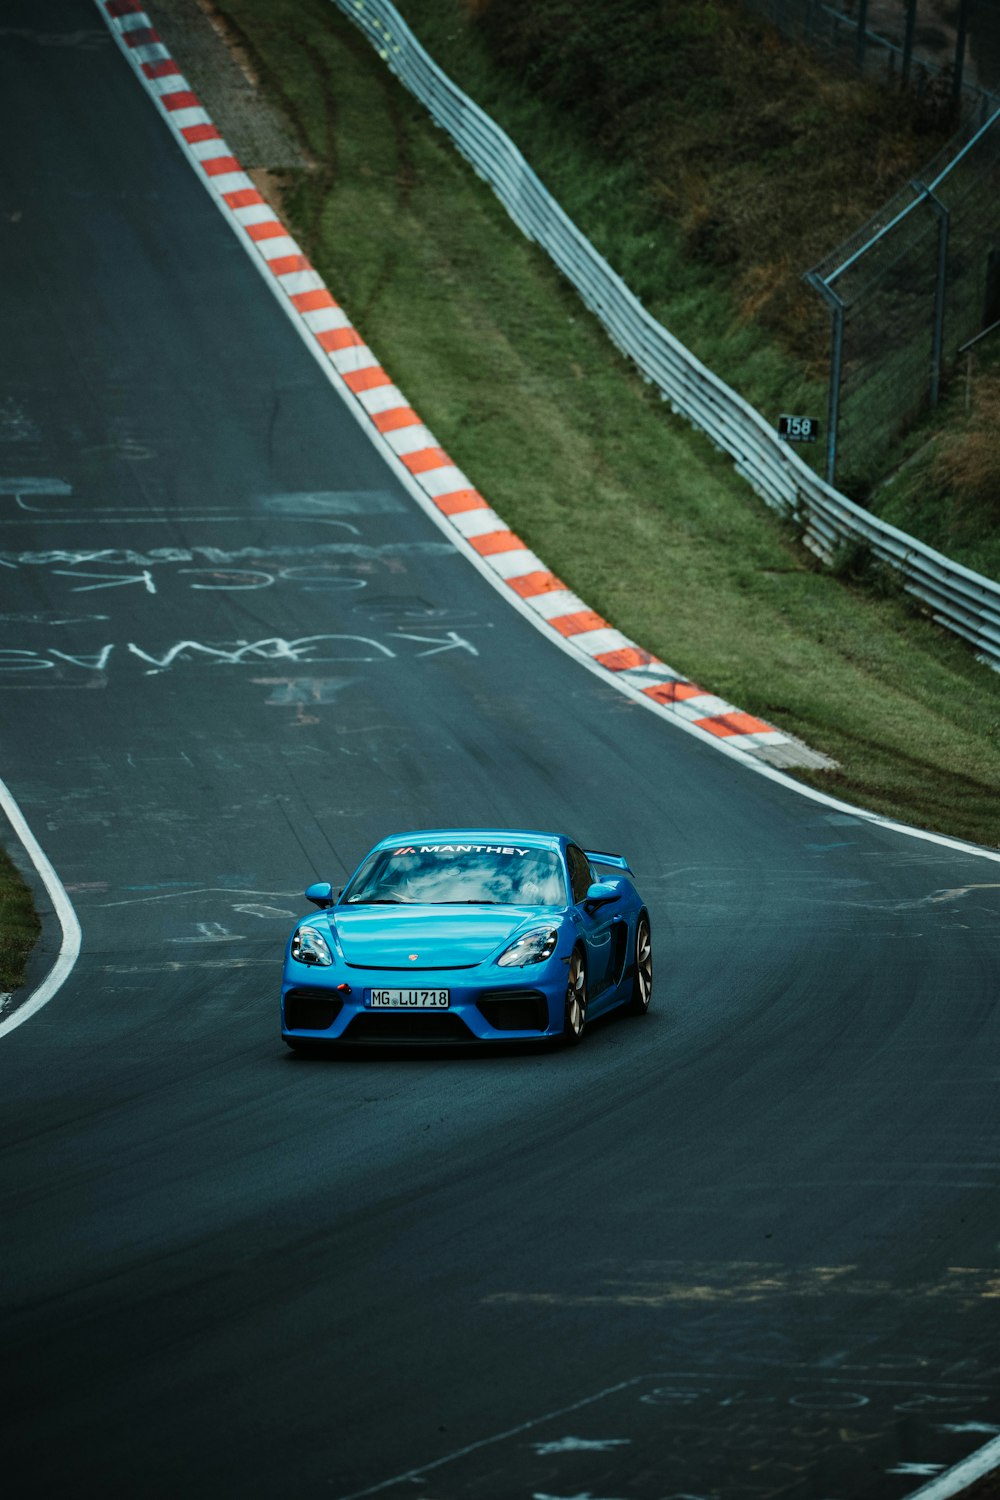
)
(648, 194)
(636, 511)
(949, 490)
(713, 162)
(708, 158)
(19, 926)
(633, 509)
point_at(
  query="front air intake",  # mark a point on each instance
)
(407, 1026)
(515, 1010)
(311, 1009)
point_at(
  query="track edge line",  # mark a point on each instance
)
(953, 1481)
(72, 935)
(462, 545)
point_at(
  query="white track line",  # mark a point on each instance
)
(69, 950)
(360, 411)
(984, 1461)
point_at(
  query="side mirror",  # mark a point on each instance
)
(320, 894)
(601, 893)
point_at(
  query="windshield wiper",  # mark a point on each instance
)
(379, 901)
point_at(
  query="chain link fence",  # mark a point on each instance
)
(906, 291)
(942, 54)
(959, 599)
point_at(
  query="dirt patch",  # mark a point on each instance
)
(273, 186)
(222, 73)
(228, 35)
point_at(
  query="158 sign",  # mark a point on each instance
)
(798, 429)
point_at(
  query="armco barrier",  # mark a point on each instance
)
(963, 601)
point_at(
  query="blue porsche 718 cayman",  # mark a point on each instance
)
(467, 935)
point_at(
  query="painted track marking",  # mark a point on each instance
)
(69, 949)
(380, 408)
(368, 393)
(439, 485)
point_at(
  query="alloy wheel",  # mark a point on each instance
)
(576, 999)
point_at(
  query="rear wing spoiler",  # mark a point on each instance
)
(597, 858)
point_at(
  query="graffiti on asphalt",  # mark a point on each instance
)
(326, 565)
(308, 649)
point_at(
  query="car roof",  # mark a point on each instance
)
(531, 838)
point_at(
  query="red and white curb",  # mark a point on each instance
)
(473, 525)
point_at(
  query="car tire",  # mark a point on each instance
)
(642, 972)
(575, 1015)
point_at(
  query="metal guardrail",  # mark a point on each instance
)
(959, 599)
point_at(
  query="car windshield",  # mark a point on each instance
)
(460, 874)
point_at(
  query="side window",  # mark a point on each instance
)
(579, 872)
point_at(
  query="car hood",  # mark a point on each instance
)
(429, 937)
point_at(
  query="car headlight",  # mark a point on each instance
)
(309, 946)
(531, 948)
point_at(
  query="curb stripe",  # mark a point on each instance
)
(180, 99)
(304, 301)
(733, 723)
(599, 640)
(244, 197)
(218, 164)
(333, 339)
(267, 229)
(624, 658)
(398, 426)
(195, 133)
(427, 458)
(398, 416)
(673, 692)
(290, 263)
(457, 501)
(536, 583)
(141, 37)
(554, 602)
(363, 380)
(498, 541)
(576, 624)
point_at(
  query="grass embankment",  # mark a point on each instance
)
(949, 492)
(715, 162)
(710, 222)
(635, 511)
(19, 926)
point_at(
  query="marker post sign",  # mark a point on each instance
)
(798, 429)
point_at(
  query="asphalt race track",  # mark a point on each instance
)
(744, 1248)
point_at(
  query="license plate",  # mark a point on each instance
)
(410, 999)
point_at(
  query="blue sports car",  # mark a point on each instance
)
(467, 935)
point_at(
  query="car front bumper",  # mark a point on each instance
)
(334, 1006)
